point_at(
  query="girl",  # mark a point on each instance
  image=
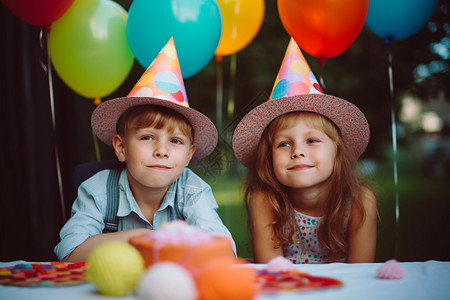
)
(303, 195)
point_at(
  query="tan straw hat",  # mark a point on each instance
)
(161, 84)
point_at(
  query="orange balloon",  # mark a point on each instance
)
(323, 28)
(241, 21)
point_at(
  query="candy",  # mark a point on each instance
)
(279, 264)
(167, 281)
(43, 274)
(391, 270)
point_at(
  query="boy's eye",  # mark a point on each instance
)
(176, 141)
(147, 138)
(312, 141)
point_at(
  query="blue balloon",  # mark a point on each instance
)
(398, 19)
(195, 25)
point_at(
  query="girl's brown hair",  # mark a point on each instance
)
(142, 116)
(344, 187)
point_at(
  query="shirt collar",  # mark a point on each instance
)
(128, 204)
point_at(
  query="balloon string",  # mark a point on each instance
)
(52, 107)
(219, 93)
(96, 147)
(230, 111)
(321, 63)
(394, 150)
(231, 99)
(97, 101)
(41, 43)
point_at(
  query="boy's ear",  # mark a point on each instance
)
(119, 147)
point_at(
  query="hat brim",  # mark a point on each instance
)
(105, 116)
(348, 118)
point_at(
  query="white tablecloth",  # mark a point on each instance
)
(423, 280)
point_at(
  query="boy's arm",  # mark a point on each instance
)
(81, 253)
(363, 236)
(261, 218)
(87, 217)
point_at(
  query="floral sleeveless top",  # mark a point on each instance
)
(308, 251)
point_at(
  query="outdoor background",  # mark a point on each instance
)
(30, 208)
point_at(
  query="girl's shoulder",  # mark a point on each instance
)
(367, 204)
(259, 206)
(257, 199)
(368, 199)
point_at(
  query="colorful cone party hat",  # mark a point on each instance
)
(161, 84)
(295, 76)
(296, 89)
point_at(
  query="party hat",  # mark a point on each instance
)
(161, 84)
(163, 79)
(295, 76)
(296, 89)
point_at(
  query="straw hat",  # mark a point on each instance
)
(297, 89)
(161, 84)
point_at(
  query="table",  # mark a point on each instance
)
(423, 280)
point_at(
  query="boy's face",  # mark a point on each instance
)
(155, 157)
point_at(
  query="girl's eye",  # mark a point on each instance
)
(176, 141)
(284, 144)
(312, 141)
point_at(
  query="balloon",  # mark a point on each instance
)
(323, 28)
(399, 19)
(89, 49)
(195, 25)
(38, 12)
(241, 22)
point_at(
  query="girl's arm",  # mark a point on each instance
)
(261, 218)
(363, 236)
(81, 253)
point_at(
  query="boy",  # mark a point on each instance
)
(155, 132)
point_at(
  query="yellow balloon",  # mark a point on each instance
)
(241, 21)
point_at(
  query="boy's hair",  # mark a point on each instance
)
(142, 116)
(343, 187)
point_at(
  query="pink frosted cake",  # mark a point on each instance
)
(178, 242)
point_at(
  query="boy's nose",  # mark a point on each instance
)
(161, 151)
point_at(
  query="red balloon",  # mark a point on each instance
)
(323, 28)
(38, 12)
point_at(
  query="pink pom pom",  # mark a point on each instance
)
(279, 264)
(391, 270)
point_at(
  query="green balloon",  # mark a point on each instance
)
(89, 48)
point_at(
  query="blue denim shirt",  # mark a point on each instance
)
(193, 196)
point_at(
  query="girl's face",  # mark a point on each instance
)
(155, 157)
(302, 156)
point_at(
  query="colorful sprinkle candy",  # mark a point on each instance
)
(43, 274)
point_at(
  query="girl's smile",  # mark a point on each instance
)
(301, 167)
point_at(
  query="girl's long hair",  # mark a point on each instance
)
(343, 188)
